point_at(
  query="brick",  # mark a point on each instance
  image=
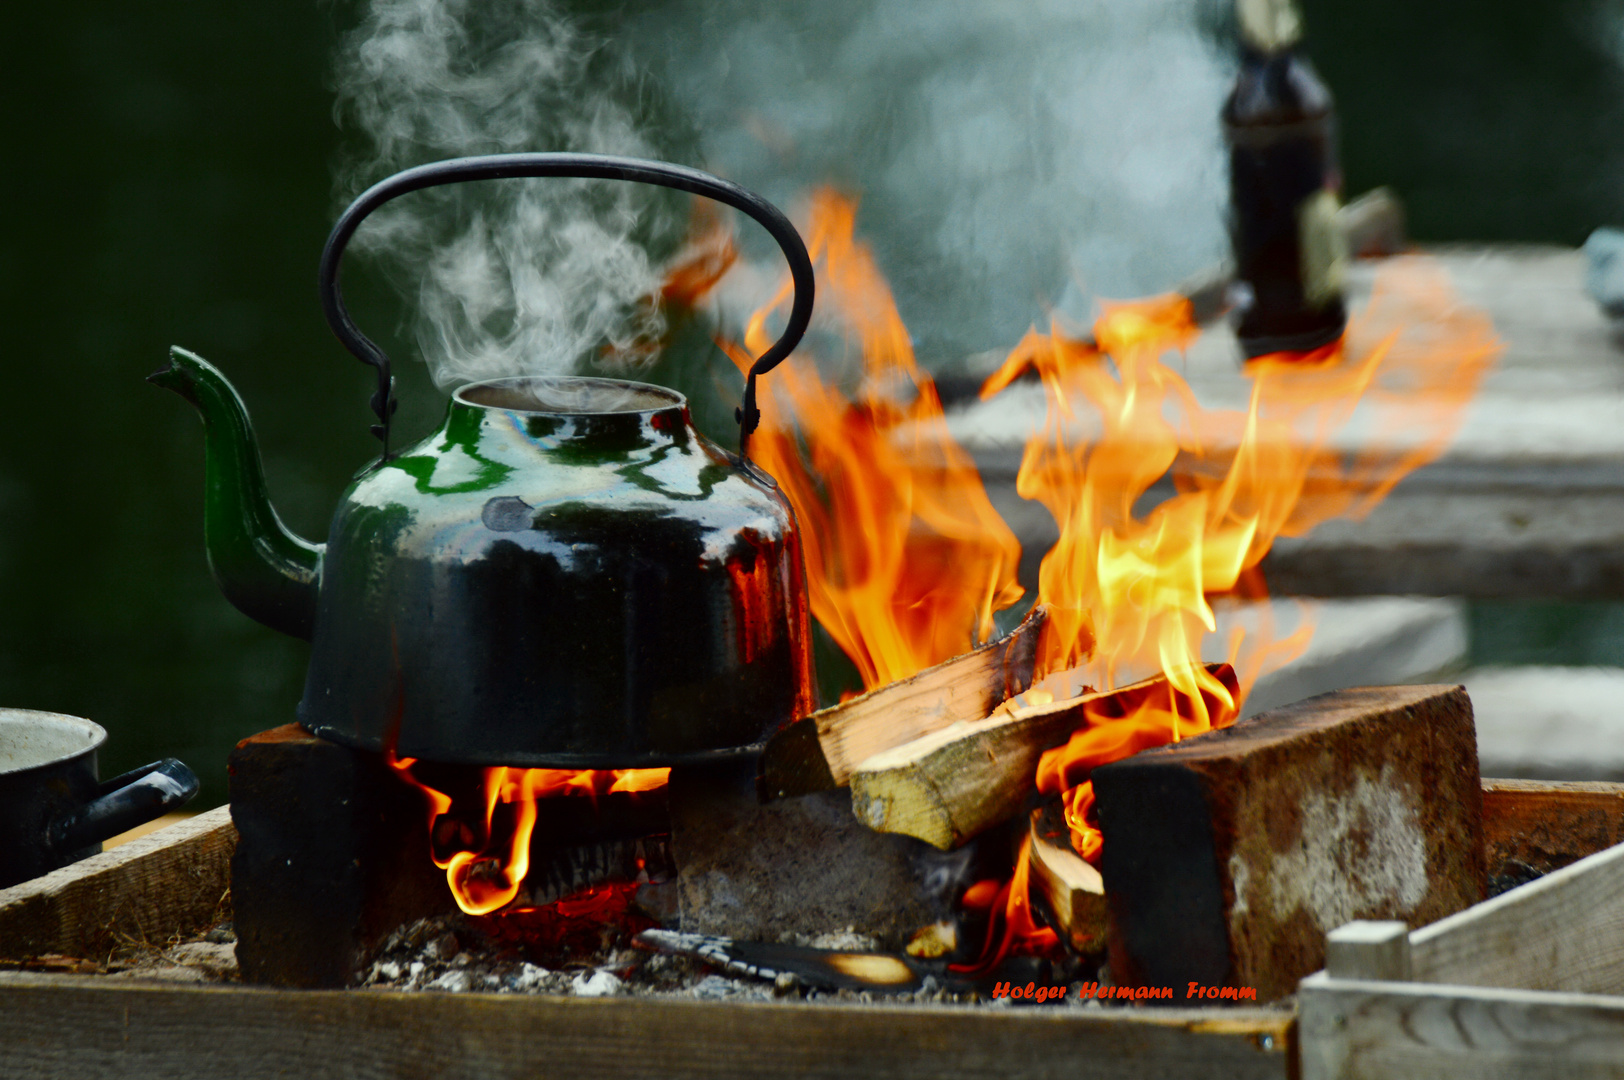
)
(1229, 856)
(798, 866)
(332, 855)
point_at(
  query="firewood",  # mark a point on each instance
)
(1073, 890)
(954, 783)
(818, 753)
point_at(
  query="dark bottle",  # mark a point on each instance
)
(1283, 183)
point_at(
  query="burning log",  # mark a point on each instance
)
(819, 752)
(953, 784)
(1230, 855)
(1072, 889)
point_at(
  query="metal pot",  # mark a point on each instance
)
(54, 810)
(564, 574)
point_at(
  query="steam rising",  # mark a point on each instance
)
(1015, 158)
(511, 276)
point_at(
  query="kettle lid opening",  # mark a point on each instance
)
(568, 395)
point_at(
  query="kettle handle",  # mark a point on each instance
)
(600, 166)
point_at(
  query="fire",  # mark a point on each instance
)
(486, 853)
(1411, 361)
(907, 561)
(1011, 923)
(1140, 586)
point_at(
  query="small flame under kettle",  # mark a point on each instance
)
(564, 574)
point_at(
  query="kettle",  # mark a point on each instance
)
(564, 574)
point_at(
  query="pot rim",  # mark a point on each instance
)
(595, 396)
(65, 727)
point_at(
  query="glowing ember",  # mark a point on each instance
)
(574, 926)
(485, 849)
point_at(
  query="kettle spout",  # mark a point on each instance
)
(267, 572)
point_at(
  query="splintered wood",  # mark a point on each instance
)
(1230, 855)
(819, 752)
(953, 784)
(1073, 891)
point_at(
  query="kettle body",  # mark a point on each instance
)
(565, 574)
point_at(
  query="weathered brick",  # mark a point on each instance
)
(798, 866)
(332, 855)
(1228, 856)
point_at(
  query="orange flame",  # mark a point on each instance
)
(906, 559)
(1011, 923)
(1139, 586)
(486, 869)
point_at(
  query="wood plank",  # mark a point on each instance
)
(169, 881)
(1353, 1030)
(1369, 949)
(1548, 824)
(819, 752)
(1564, 931)
(88, 1028)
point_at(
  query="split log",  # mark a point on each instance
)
(1073, 890)
(1229, 856)
(818, 753)
(953, 784)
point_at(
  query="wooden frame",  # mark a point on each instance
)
(174, 880)
(1477, 1000)
(85, 1027)
(1528, 984)
(91, 1027)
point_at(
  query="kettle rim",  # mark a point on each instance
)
(571, 396)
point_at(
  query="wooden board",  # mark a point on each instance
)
(1548, 824)
(1564, 931)
(1355, 1030)
(65, 1025)
(168, 881)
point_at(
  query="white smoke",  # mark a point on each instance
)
(1014, 157)
(513, 276)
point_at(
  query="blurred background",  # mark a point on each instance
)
(175, 166)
